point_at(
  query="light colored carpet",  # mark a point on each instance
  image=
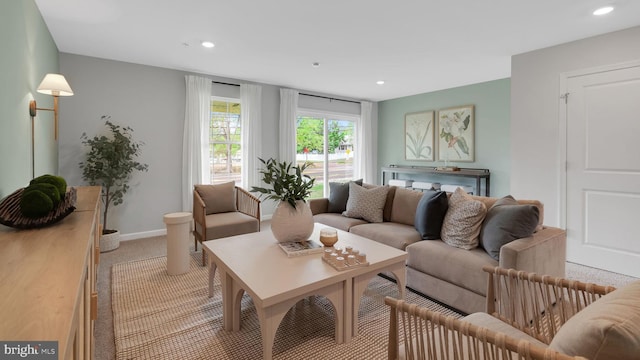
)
(157, 316)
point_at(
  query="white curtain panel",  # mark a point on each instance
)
(195, 140)
(364, 157)
(250, 113)
(288, 115)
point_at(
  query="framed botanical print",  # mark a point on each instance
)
(456, 134)
(418, 136)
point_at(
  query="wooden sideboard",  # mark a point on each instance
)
(48, 280)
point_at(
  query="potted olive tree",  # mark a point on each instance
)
(110, 161)
(286, 183)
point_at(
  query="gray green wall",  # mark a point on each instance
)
(28, 54)
(492, 144)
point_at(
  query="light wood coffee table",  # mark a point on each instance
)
(254, 263)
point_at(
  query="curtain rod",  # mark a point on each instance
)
(318, 96)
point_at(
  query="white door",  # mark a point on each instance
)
(603, 170)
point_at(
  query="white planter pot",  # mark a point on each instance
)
(289, 224)
(109, 242)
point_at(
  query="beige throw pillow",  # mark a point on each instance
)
(367, 204)
(463, 221)
(607, 329)
(218, 198)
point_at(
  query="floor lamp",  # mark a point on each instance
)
(55, 85)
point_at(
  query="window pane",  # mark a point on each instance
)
(225, 132)
(310, 148)
(328, 145)
(341, 149)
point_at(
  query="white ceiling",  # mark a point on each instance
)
(415, 46)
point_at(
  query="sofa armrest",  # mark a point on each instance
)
(319, 206)
(545, 252)
(247, 203)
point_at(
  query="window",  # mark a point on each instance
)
(327, 142)
(225, 152)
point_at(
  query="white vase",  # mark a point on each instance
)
(289, 224)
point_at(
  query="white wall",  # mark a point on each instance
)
(535, 97)
(151, 100)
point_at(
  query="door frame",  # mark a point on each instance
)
(563, 131)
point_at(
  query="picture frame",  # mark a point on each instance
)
(456, 134)
(418, 136)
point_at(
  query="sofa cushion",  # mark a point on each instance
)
(405, 203)
(463, 221)
(229, 224)
(506, 221)
(218, 198)
(430, 213)
(386, 212)
(365, 203)
(338, 196)
(490, 201)
(609, 328)
(396, 235)
(337, 221)
(459, 267)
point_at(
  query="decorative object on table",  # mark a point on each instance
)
(299, 248)
(328, 237)
(418, 136)
(292, 219)
(33, 207)
(343, 259)
(456, 131)
(111, 160)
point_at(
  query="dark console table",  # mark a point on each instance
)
(478, 174)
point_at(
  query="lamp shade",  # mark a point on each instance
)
(56, 85)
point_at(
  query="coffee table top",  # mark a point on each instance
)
(256, 261)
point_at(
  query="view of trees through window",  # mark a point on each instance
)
(225, 155)
(328, 144)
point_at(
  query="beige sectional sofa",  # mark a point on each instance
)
(445, 273)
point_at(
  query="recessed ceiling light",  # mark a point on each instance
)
(208, 44)
(315, 64)
(603, 10)
(380, 82)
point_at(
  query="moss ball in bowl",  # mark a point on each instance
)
(49, 189)
(58, 181)
(35, 204)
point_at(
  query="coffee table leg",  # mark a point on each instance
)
(271, 317)
(212, 273)
(361, 282)
(348, 310)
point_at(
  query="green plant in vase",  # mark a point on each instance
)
(110, 161)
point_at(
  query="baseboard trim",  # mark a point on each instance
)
(143, 234)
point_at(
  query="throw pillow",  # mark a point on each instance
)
(218, 198)
(507, 221)
(338, 196)
(461, 225)
(609, 328)
(366, 204)
(430, 214)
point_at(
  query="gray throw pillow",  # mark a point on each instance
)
(507, 221)
(367, 204)
(218, 198)
(430, 214)
(338, 196)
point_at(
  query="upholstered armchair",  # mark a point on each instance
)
(223, 210)
(529, 316)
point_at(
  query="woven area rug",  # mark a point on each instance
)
(157, 316)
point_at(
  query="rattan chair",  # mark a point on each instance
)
(536, 305)
(218, 225)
